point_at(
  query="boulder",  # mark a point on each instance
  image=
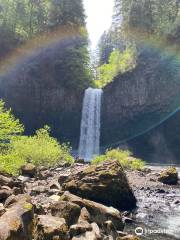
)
(105, 183)
(98, 213)
(169, 176)
(67, 210)
(17, 222)
(29, 170)
(50, 228)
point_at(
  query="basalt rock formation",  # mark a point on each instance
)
(140, 99)
(47, 89)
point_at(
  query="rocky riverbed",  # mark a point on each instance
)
(158, 205)
(88, 202)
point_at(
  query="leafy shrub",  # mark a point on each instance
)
(41, 149)
(124, 157)
(9, 127)
(11, 163)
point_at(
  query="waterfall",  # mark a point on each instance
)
(90, 124)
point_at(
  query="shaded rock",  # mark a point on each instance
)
(10, 200)
(2, 209)
(67, 210)
(169, 176)
(79, 228)
(110, 229)
(49, 227)
(29, 170)
(16, 223)
(98, 213)
(105, 183)
(7, 181)
(5, 193)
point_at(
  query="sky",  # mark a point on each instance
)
(99, 18)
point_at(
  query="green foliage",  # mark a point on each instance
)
(11, 163)
(41, 149)
(119, 62)
(124, 157)
(16, 150)
(28, 17)
(75, 71)
(9, 127)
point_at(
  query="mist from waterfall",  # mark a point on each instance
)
(89, 143)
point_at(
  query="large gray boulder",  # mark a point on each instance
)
(105, 183)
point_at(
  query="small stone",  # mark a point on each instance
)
(29, 170)
(55, 198)
(128, 220)
(79, 228)
(85, 215)
(177, 202)
(160, 191)
(23, 179)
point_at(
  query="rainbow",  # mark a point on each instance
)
(39, 42)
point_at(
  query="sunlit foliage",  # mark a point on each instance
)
(9, 127)
(123, 157)
(16, 149)
(119, 62)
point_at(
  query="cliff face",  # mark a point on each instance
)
(161, 144)
(139, 100)
(44, 90)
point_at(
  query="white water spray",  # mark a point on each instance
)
(90, 124)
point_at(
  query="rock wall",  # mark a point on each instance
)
(161, 144)
(140, 99)
(44, 90)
